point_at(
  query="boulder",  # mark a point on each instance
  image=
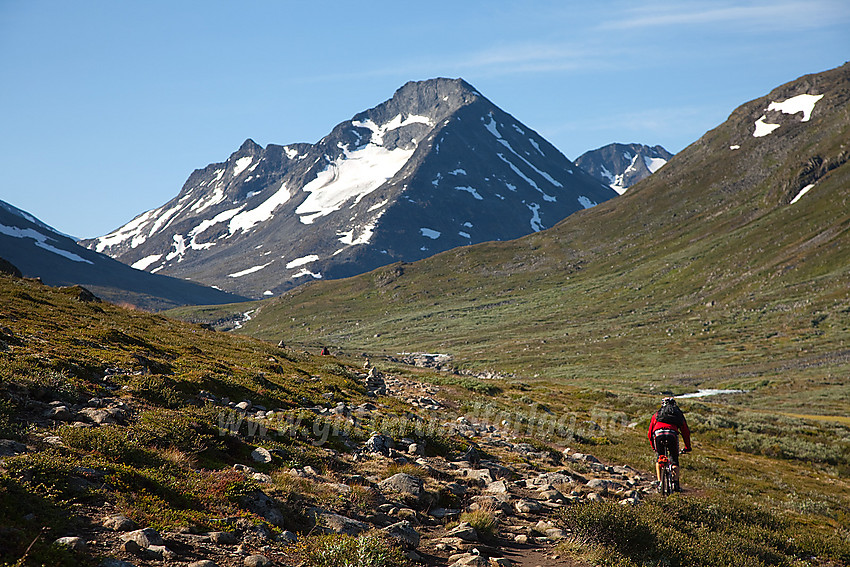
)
(257, 561)
(339, 524)
(144, 538)
(261, 455)
(527, 506)
(10, 448)
(75, 543)
(261, 504)
(403, 483)
(404, 533)
(463, 531)
(118, 523)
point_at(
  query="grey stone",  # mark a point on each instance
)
(340, 524)
(404, 533)
(9, 448)
(403, 483)
(464, 531)
(287, 537)
(58, 413)
(261, 455)
(243, 406)
(112, 562)
(527, 506)
(144, 538)
(118, 523)
(257, 561)
(224, 538)
(260, 503)
(75, 543)
(498, 487)
(203, 563)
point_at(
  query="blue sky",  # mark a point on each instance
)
(108, 106)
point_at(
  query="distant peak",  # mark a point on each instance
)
(250, 146)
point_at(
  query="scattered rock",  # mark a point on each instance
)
(463, 531)
(224, 538)
(403, 483)
(498, 487)
(260, 503)
(203, 563)
(527, 506)
(261, 455)
(75, 543)
(58, 413)
(257, 561)
(144, 538)
(339, 524)
(10, 448)
(118, 523)
(243, 406)
(380, 444)
(112, 562)
(404, 533)
(287, 537)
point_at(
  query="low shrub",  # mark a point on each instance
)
(684, 531)
(484, 521)
(337, 550)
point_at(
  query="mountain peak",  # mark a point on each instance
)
(435, 167)
(622, 165)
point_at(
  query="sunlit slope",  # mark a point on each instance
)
(705, 270)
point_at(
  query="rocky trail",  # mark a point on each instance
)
(520, 489)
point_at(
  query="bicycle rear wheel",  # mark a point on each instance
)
(667, 486)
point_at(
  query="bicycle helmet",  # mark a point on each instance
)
(668, 402)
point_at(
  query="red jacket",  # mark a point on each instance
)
(655, 425)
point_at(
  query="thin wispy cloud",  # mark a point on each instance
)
(790, 15)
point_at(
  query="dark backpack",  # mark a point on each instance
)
(670, 415)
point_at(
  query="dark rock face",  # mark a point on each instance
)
(435, 167)
(9, 268)
(622, 165)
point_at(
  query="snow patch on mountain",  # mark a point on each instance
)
(249, 219)
(242, 164)
(536, 222)
(802, 192)
(146, 262)
(804, 103)
(585, 202)
(353, 175)
(764, 128)
(249, 271)
(301, 261)
(471, 191)
(653, 164)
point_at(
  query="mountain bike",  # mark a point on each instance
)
(668, 482)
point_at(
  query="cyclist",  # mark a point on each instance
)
(664, 429)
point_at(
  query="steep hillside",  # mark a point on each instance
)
(435, 167)
(40, 251)
(717, 269)
(622, 165)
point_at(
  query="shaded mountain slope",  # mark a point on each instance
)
(40, 251)
(706, 271)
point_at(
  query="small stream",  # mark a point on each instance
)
(709, 392)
